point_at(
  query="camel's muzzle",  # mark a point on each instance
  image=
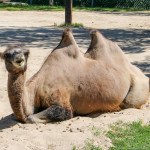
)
(19, 62)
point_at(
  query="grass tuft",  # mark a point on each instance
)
(76, 25)
(30, 7)
(96, 131)
(74, 148)
(114, 9)
(130, 136)
(89, 145)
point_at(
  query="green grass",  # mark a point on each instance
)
(60, 8)
(76, 25)
(74, 148)
(90, 146)
(133, 136)
(96, 131)
(108, 9)
(30, 8)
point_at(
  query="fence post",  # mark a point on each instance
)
(68, 11)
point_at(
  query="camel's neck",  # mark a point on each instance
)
(18, 95)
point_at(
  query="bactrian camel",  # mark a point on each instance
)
(70, 83)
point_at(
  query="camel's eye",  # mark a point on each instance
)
(7, 55)
(10, 55)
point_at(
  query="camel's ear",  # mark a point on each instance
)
(26, 51)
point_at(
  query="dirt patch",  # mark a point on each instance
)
(129, 30)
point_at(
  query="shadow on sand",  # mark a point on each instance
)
(131, 40)
(8, 122)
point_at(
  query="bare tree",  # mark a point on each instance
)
(68, 11)
(51, 2)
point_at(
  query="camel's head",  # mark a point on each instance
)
(15, 58)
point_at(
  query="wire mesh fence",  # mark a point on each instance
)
(144, 4)
(135, 4)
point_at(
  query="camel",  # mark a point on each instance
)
(70, 83)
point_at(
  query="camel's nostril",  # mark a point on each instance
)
(19, 61)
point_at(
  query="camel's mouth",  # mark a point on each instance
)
(19, 63)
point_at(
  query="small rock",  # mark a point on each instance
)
(78, 118)
(71, 130)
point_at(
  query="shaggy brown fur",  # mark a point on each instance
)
(69, 83)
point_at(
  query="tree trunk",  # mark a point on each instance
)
(51, 2)
(30, 2)
(92, 3)
(68, 11)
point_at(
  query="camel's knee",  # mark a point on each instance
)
(137, 95)
(53, 113)
(59, 113)
(125, 105)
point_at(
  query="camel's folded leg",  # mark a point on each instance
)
(53, 113)
(138, 93)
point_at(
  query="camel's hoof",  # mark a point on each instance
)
(33, 119)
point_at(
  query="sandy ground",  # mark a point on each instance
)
(36, 31)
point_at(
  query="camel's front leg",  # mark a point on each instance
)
(53, 113)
